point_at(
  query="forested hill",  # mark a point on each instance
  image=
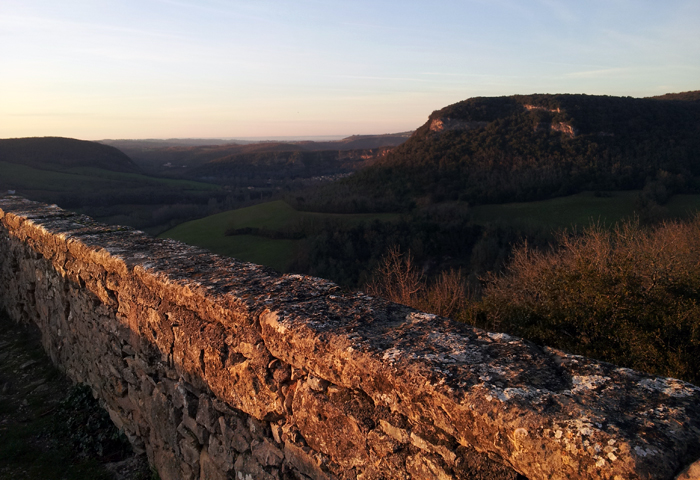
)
(685, 96)
(57, 153)
(286, 164)
(519, 148)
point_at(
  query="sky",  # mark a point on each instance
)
(103, 69)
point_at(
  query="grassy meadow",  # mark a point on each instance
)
(579, 210)
(210, 232)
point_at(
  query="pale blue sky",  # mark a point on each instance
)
(213, 68)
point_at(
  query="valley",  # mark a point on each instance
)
(446, 208)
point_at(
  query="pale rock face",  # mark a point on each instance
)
(535, 107)
(220, 370)
(564, 128)
(445, 124)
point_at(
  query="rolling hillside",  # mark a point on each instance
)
(100, 181)
(57, 153)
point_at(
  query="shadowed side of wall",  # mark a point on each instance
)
(221, 369)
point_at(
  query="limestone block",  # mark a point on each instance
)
(116, 418)
(234, 433)
(266, 453)
(128, 374)
(167, 464)
(276, 430)
(119, 388)
(248, 468)
(190, 450)
(209, 470)
(398, 434)
(281, 372)
(326, 428)
(317, 384)
(446, 451)
(300, 460)
(221, 407)
(256, 427)
(381, 444)
(422, 467)
(187, 472)
(183, 398)
(221, 453)
(188, 426)
(206, 415)
(162, 417)
(390, 468)
(242, 388)
(494, 392)
(124, 403)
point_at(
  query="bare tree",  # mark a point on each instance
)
(397, 279)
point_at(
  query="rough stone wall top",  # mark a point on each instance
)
(358, 363)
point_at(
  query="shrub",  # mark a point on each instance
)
(399, 280)
(628, 296)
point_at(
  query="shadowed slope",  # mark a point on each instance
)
(57, 153)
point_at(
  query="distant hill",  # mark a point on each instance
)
(167, 156)
(57, 153)
(286, 164)
(356, 142)
(529, 147)
(693, 96)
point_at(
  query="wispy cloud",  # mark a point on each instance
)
(560, 10)
(34, 23)
(375, 26)
(225, 8)
(579, 65)
(443, 74)
(600, 73)
(388, 79)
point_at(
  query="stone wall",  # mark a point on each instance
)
(222, 369)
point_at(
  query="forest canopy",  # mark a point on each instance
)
(523, 148)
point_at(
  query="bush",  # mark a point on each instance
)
(628, 296)
(398, 279)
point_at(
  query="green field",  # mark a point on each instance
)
(578, 210)
(209, 232)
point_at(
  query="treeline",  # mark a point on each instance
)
(343, 197)
(630, 296)
(441, 237)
